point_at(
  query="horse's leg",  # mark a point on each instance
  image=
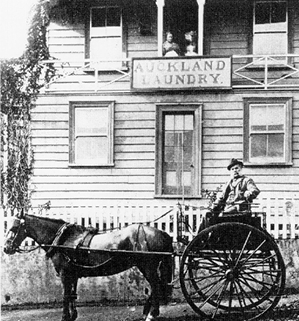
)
(152, 305)
(67, 290)
(147, 306)
(74, 313)
(69, 282)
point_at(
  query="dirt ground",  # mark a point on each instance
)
(287, 310)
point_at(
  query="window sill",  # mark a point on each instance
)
(272, 164)
(90, 165)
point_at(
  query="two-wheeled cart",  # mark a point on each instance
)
(233, 267)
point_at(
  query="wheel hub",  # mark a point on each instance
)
(231, 274)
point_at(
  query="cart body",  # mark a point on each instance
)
(233, 267)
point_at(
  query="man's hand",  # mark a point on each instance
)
(247, 194)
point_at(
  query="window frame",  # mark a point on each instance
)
(161, 109)
(287, 31)
(287, 101)
(123, 36)
(110, 131)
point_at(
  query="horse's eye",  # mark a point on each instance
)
(14, 229)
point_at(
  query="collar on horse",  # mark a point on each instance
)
(84, 242)
(57, 238)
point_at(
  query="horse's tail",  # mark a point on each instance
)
(166, 269)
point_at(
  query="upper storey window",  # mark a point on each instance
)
(106, 37)
(270, 33)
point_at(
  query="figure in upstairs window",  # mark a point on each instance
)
(170, 48)
(191, 46)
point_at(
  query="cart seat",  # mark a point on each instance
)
(255, 219)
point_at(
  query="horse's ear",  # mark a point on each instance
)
(21, 215)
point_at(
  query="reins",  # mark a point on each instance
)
(143, 223)
(19, 250)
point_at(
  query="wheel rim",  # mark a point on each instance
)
(233, 268)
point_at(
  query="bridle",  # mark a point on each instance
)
(18, 226)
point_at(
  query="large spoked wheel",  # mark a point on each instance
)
(232, 268)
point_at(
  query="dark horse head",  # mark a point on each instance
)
(15, 235)
(41, 230)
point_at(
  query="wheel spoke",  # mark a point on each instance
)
(251, 278)
(199, 279)
(194, 265)
(245, 293)
(267, 272)
(220, 258)
(210, 296)
(208, 260)
(254, 251)
(211, 284)
(253, 304)
(254, 291)
(231, 292)
(239, 299)
(243, 248)
(220, 296)
(245, 282)
(270, 273)
(258, 297)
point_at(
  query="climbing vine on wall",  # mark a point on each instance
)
(21, 81)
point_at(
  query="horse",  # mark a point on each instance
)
(105, 254)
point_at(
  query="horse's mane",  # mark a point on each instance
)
(49, 219)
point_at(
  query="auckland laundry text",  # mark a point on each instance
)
(181, 73)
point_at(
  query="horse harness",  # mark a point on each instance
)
(60, 232)
(139, 244)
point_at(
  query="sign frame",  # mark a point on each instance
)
(182, 60)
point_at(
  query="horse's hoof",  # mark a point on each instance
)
(74, 315)
(149, 317)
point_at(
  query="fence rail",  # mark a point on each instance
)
(281, 217)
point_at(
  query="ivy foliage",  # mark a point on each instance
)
(21, 81)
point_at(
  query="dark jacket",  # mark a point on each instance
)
(233, 198)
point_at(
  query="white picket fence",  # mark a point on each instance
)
(281, 217)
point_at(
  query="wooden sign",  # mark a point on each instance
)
(175, 73)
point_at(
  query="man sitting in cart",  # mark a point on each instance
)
(236, 197)
(238, 193)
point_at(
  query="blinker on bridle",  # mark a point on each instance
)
(18, 223)
(14, 231)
